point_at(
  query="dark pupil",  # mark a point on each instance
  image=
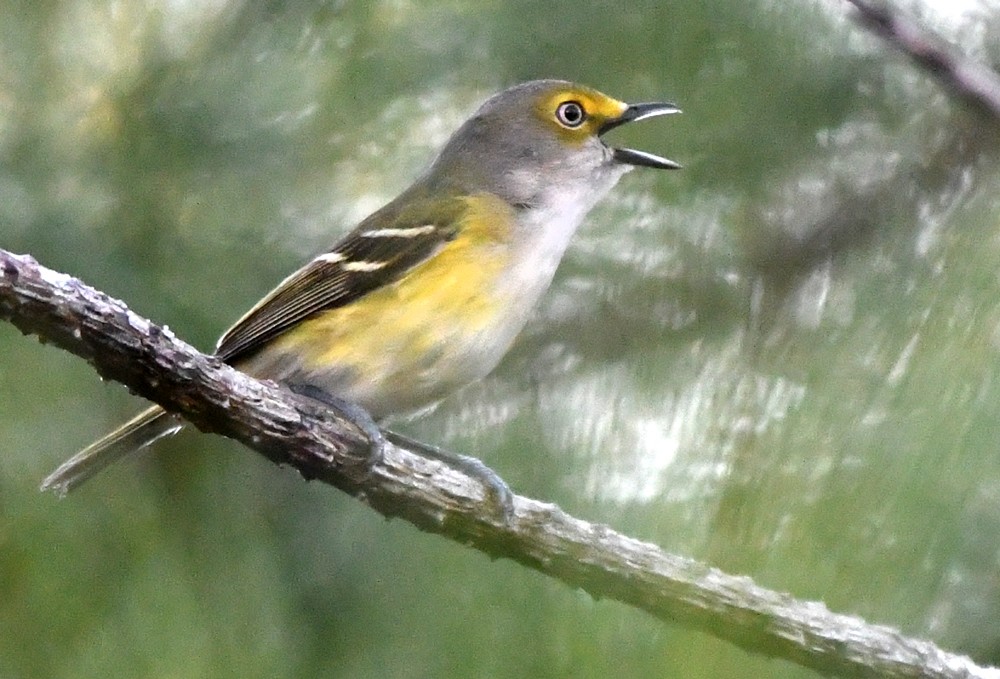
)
(572, 114)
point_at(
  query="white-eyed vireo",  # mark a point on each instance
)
(427, 294)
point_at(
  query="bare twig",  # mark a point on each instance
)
(294, 431)
(974, 82)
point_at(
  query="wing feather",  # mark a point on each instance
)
(380, 251)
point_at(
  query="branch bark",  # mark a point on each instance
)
(972, 81)
(322, 445)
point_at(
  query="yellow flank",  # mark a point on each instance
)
(400, 330)
(599, 109)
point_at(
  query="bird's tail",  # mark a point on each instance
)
(148, 426)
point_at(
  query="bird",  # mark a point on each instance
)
(428, 293)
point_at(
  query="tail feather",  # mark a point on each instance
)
(148, 426)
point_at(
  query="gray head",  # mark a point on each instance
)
(533, 137)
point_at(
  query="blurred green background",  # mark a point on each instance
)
(783, 360)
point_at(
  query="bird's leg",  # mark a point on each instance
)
(357, 415)
(498, 489)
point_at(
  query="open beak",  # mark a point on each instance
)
(633, 113)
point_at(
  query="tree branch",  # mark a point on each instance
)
(291, 430)
(974, 82)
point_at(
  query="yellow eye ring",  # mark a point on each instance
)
(571, 114)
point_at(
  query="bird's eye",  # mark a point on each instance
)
(571, 114)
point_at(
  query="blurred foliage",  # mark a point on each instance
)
(782, 360)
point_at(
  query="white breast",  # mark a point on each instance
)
(546, 229)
